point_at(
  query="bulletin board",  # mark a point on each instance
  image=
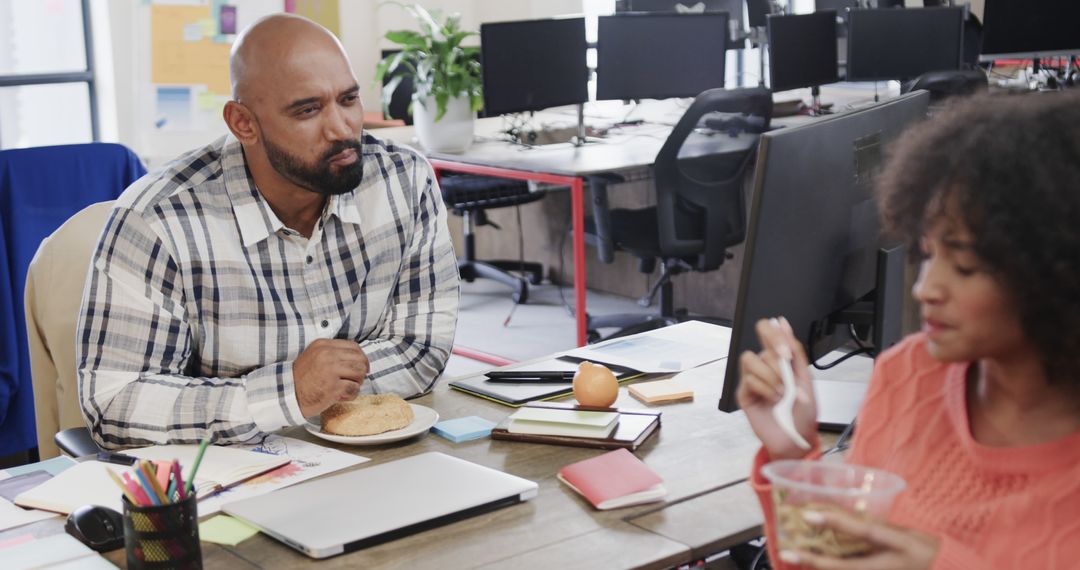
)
(189, 54)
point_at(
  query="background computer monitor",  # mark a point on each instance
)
(1032, 28)
(656, 56)
(802, 50)
(734, 9)
(903, 44)
(813, 244)
(534, 64)
(841, 8)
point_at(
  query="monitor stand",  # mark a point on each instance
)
(816, 107)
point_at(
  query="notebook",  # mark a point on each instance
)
(372, 505)
(571, 423)
(517, 394)
(612, 480)
(632, 429)
(88, 483)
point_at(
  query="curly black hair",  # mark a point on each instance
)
(1010, 167)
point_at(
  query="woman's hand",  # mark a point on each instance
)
(760, 388)
(892, 547)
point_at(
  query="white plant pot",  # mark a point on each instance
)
(452, 133)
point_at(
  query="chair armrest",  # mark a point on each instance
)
(76, 442)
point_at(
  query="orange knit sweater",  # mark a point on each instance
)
(992, 507)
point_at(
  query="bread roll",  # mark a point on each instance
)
(367, 415)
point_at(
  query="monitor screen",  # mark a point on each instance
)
(903, 44)
(656, 56)
(802, 50)
(734, 9)
(812, 246)
(533, 65)
(1031, 28)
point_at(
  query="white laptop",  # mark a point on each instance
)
(380, 503)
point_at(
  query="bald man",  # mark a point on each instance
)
(289, 265)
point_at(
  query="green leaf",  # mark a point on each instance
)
(406, 37)
(441, 99)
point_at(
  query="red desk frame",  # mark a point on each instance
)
(577, 213)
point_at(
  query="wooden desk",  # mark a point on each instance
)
(697, 449)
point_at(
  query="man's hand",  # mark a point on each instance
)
(327, 372)
(892, 547)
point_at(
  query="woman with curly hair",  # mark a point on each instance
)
(980, 411)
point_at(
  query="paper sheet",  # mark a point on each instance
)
(226, 530)
(670, 349)
(12, 516)
(308, 461)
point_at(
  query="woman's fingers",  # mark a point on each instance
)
(759, 378)
(878, 534)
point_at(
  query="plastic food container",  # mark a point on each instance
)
(800, 486)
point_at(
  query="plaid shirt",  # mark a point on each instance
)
(199, 298)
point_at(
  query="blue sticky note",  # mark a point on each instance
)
(464, 429)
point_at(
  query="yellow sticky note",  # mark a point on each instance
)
(209, 101)
(226, 530)
(209, 27)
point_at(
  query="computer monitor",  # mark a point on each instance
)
(888, 44)
(813, 246)
(656, 56)
(734, 9)
(1028, 29)
(841, 8)
(802, 50)
(533, 65)
(757, 11)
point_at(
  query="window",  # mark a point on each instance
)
(46, 73)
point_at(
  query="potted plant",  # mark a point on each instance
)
(445, 75)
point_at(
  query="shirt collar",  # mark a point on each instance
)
(254, 216)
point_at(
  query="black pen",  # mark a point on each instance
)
(116, 458)
(524, 377)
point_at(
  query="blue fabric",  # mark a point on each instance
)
(40, 188)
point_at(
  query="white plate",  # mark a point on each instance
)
(423, 419)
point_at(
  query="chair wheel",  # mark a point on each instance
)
(535, 279)
(592, 337)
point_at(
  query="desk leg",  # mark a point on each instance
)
(577, 213)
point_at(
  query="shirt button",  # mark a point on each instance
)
(310, 259)
(325, 324)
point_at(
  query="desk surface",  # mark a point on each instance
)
(697, 450)
(625, 148)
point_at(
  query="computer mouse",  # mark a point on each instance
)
(100, 528)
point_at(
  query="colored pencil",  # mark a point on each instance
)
(195, 468)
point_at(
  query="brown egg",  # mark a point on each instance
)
(595, 385)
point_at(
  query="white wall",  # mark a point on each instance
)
(363, 25)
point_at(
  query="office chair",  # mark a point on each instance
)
(700, 210)
(40, 188)
(470, 196)
(944, 84)
(54, 287)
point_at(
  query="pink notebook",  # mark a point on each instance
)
(614, 479)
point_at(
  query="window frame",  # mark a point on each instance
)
(86, 76)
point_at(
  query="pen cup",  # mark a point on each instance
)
(165, 536)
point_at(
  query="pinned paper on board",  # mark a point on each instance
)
(173, 110)
(326, 13)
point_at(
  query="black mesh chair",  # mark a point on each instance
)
(470, 196)
(700, 210)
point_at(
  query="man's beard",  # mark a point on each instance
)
(319, 178)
